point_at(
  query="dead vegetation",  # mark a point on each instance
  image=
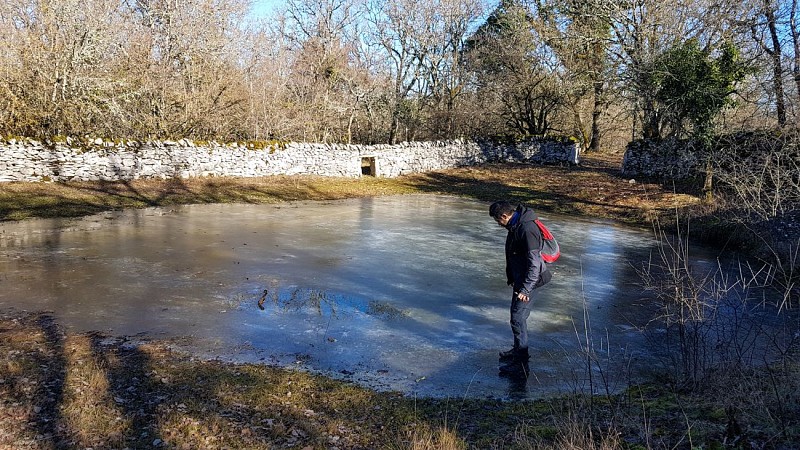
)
(68, 390)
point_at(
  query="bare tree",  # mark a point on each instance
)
(267, 75)
(444, 73)
(193, 86)
(794, 26)
(763, 26)
(580, 38)
(57, 71)
(328, 73)
(401, 29)
(360, 70)
(123, 69)
(517, 73)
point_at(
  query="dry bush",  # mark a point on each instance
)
(758, 179)
(717, 318)
(571, 434)
(761, 172)
(107, 68)
(440, 438)
(58, 80)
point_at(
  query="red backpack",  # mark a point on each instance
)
(550, 249)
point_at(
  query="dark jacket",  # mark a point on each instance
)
(525, 268)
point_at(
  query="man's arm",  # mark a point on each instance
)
(533, 249)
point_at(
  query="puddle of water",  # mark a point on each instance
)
(399, 293)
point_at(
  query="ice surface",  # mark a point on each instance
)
(403, 293)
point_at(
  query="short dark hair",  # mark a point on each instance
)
(501, 207)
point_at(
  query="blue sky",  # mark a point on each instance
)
(263, 7)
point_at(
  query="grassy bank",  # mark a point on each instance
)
(87, 391)
(593, 189)
(67, 390)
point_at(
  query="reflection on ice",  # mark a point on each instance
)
(323, 303)
(404, 293)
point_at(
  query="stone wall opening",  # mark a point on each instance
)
(368, 166)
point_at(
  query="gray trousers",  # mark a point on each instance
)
(520, 311)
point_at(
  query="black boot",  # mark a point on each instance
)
(515, 354)
(508, 355)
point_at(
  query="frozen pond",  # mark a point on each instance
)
(398, 293)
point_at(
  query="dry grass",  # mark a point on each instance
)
(84, 391)
(440, 438)
(63, 390)
(571, 435)
(66, 390)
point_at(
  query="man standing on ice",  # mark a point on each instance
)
(525, 271)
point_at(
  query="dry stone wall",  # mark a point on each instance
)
(669, 159)
(29, 160)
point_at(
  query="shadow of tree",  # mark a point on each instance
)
(131, 387)
(33, 376)
(539, 194)
(90, 390)
(48, 200)
(52, 385)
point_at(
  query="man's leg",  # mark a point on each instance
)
(517, 360)
(520, 311)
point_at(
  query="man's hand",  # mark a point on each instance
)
(523, 297)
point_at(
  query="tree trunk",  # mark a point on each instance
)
(394, 127)
(650, 122)
(708, 189)
(597, 109)
(796, 43)
(579, 125)
(777, 68)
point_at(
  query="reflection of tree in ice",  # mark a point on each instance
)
(317, 301)
(300, 299)
(325, 303)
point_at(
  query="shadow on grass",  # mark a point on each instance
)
(32, 382)
(51, 388)
(541, 198)
(585, 191)
(50, 200)
(132, 389)
(89, 390)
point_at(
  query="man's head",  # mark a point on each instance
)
(502, 212)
